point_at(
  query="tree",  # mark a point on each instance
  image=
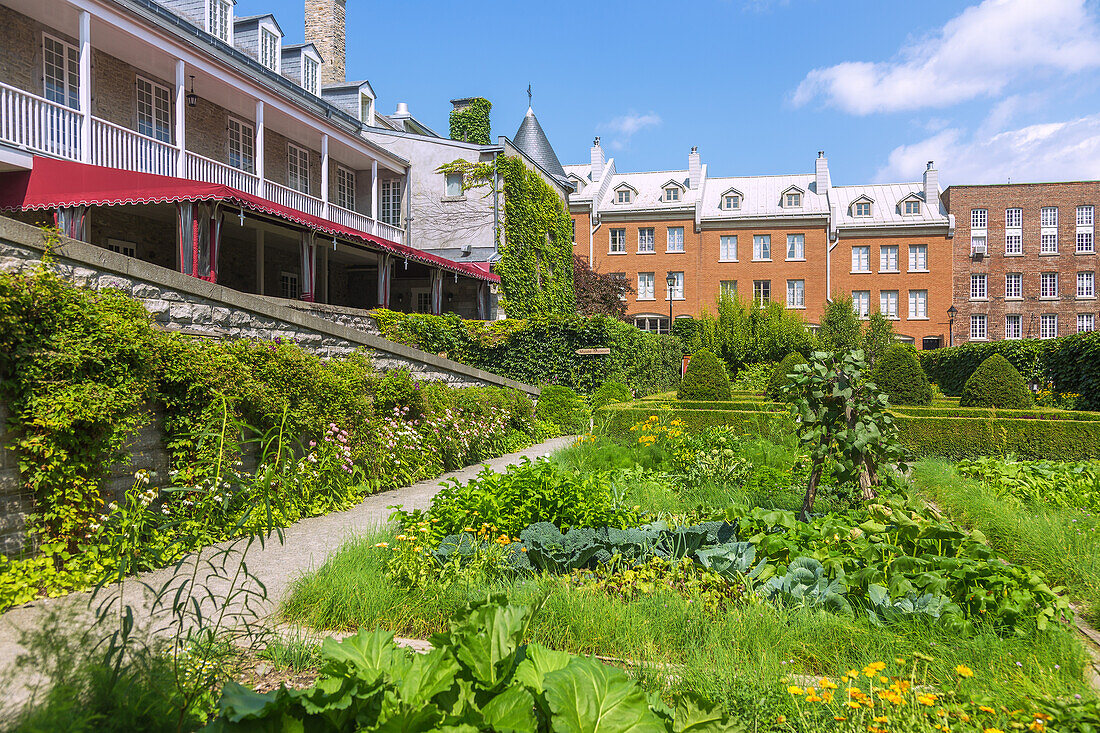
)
(878, 336)
(843, 422)
(840, 328)
(599, 293)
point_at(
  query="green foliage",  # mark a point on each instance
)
(840, 328)
(562, 406)
(742, 334)
(471, 123)
(705, 378)
(1065, 485)
(996, 383)
(609, 393)
(878, 336)
(753, 377)
(781, 375)
(690, 580)
(898, 374)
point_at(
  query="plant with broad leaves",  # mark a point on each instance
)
(843, 422)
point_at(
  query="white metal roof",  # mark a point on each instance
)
(761, 196)
(584, 172)
(649, 191)
(886, 206)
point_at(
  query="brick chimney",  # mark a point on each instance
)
(598, 161)
(326, 29)
(931, 188)
(822, 181)
(695, 168)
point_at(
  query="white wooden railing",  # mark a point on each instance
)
(292, 199)
(364, 223)
(211, 171)
(39, 125)
(117, 147)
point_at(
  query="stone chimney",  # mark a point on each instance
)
(598, 161)
(695, 168)
(822, 182)
(932, 188)
(326, 29)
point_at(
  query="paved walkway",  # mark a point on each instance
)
(306, 545)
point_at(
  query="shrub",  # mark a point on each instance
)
(741, 333)
(562, 407)
(610, 392)
(753, 377)
(781, 374)
(878, 336)
(996, 383)
(705, 379)
(899, 375)
(840, 328)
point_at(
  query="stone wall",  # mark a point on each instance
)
(15, 503)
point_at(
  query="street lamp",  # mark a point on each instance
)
(671, 280)
(951, 313)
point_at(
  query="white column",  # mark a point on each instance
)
(374, 190)
(322, 286)
(324, 174)
(85, 87)
(181, 119)
(260, 187)
(259, 261)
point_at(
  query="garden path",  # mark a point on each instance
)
(306, 545)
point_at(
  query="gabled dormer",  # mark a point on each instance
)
(301, 63)
(578, 182)
(862, 206)
(260, 37)
(730, 200)
(911, 205)
(672, 191)
(357, 98)
(792, 198)
(624, 193)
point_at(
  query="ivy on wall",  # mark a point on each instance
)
(471, 123)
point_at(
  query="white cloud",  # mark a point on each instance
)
(626, 125)
(978, 53)
(1044, 152)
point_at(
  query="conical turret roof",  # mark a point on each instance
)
(532, 140)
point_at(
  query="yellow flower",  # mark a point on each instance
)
(827, 696)
(813, 698)
(883, 680)
(986, 709)
(993, 730)
(839, 718)
(963, 671)
(781, 719)
(853, 674)
(927, 699)
(794, 690)
(852, 704)
(382, 544)
(881, 719)
(827, 684)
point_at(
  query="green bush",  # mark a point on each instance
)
(562, 406)
(996, 383)
(898, 374)
(610, 392)
(753, 378)
(705, 378)
(742, 333)
(781, 374)
(840, 328)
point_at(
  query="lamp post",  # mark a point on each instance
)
(951, 313)
(671, 280)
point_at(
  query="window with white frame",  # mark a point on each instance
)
(1014, 218)
(345, 188)
(423, 301)
(861, 259)
(978, 330)
(617, 243)
(390, 198)
(761, 246)
(912, 206)
(1014, 239)
(621, 276)
(1014, 286)
(622, 196)
(645, 240)
(1086, 322)
(727, 248)
(218, 12)
(888, 258)
(61, 72)
(154, 110)
(677, 285)
(1085, 244)
(918, 258)
(645, 286)
(310, 75)
(888, 303)
(796, 293)
(1048, 216)
(652, 324)
(1084, 230)
(796, 246)
(1048, 285)
(453, 185)
(269, 49)
(1084, 216)
(761, 292)
(1014, 326)
(1086, 285)
(288, 285)
(675, 238)
(365, 104)
(978, 290)
(793, 200)
(1048, 326)
(861, 301)
(672, 193)
(731, 201)
(918, 304)
(979, 218)
(861, 208)
(297, 168)
(242, 144)
(1048, 243)
(728, 289)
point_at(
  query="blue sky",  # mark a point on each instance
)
(992, 91)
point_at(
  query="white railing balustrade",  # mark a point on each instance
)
(117, 147)
(211, 171)
(39, 125)
(364, 223)
(292, 199)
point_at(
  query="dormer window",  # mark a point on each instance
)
(622, 196)
(217, 18)
(861, 208)
(912, 206)
(792, 200)
(269, 49)
(731, 201)
(366, 109)
(672, 194)
(310, 75)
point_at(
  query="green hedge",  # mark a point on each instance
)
(1037, 413)
(616, 420)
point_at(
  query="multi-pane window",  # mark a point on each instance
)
(796, 293)
(61, 72)
(645, 286)
(424, 301)
(912, 206)
(888, 303)
(762, 246)
(1084, 229)
(979, 218)
(620, 276)
(727, 248)
(288, 285)
(1048, 243)
(796, 246)
(1084, 216)
(1048, 326)
(1086, 285)
(645, 239)
(794, 200)
(1084, 242)
(731, 201)
(1014, 285)
(978, 290)
(310, 69)
(297, 168)
(1048, 216)
(453, 185)
(862, 208)
(1014, 218)
(390, 199)
(1014, 239)
(675, 239)
(1013, 326)
(269, 49)
(918, 258)
(154, 110)
(618, 241)
(1086, 322)
(728, 288)
(861, 259)
(762, 291)
(888, 258)
(1048, 285)
(861, 301)
(365, 103)
(622, 196)
(978, 326)
(345, 188)
(918, 303)
(677, 285)
(218, 19)
(672, 193)
(242, 145)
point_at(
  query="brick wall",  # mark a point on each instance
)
(21, 51)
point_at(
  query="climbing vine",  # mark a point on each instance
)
(471, 123)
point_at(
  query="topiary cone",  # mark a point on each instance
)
(705, 378)
(996, 383)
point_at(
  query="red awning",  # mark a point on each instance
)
(53, 183)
